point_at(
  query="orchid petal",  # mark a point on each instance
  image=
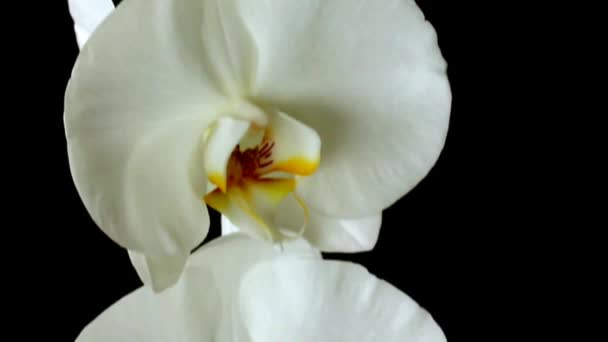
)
(158, 272)
(200, 305)
(230, 48)
(316, 300)
(137, 105)
(147, 316)
(369, 77)
(260, 293)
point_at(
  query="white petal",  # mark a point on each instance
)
(138, 102)
(197, 308)
(200, 305)
(229, 47)
(227, 258)
(158, 272)
(87, 14)
(186, 312)
(223, 137)
(369, 77)
(309, 300)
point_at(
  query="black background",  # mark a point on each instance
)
(435, 244)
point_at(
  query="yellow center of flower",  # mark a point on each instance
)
(254, 175)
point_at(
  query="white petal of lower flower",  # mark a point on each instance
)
(183, 313)
(199, 307)
(260, 293)
(87, 14)
(315, 300)
(369, 77)
(158, 272)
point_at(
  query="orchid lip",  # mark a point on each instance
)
(256, 167)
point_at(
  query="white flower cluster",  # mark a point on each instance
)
(300, 121)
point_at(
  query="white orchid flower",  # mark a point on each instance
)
(289, 117)
(261, 294)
